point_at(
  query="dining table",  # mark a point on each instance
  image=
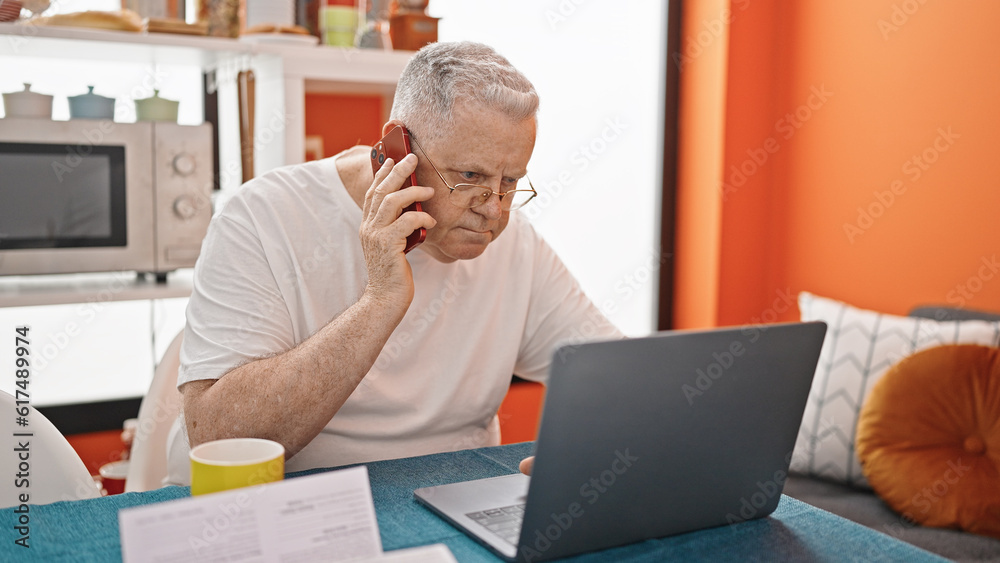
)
(88, 530)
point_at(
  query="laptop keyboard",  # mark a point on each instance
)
(504, 522)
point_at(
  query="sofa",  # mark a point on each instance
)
(842, 489)
(866, 508)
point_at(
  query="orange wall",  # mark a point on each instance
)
(97, 448)
(520, 412)
(702, 63)
(344, 120)
(832, 107)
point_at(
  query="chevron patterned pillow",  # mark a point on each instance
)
(859, 348)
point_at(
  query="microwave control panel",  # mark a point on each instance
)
(183, 182)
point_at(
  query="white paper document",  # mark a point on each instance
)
(323, 517)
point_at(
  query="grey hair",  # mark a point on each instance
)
(441, 74)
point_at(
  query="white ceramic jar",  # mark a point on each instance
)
(27, 104)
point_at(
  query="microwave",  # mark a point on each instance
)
(98, 196)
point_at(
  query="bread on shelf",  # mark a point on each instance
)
(275, 28)
(167, 25)
(124, 20)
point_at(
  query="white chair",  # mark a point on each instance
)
(39, 463)
(157, 412)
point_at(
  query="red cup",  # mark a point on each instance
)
(113, 476)
(10, 10)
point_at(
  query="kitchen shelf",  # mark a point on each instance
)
(285, 72)
(92, 44)
(62, 289)
(317, 62)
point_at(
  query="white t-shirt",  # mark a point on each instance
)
(283, 259)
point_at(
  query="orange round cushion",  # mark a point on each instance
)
(929, 438)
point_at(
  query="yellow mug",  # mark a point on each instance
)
(232, 463)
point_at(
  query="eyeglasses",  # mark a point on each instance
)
(474, 195)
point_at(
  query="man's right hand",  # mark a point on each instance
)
(254, 398)
(384, 228)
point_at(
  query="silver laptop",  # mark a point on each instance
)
(645, 438)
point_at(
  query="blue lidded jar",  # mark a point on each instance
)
(91, 106)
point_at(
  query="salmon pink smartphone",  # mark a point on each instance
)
(396, 145)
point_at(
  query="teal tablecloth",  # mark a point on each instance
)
(87, 530)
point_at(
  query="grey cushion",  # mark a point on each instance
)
(940, 313)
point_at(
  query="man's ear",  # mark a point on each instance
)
(389, 125)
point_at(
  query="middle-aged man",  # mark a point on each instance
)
(308, 325)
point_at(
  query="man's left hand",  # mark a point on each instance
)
(527, 464)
